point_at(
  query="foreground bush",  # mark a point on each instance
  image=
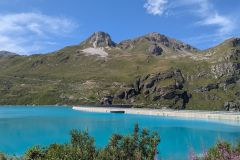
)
(141, 145)
(138, 146)
(2, 156)
(221, 151)
(5, 157)
(133, 147)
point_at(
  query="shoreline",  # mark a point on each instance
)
(191, 114)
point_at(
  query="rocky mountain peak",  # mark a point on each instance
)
(101, 39)
(156, 37)
(168, 42)
(157, 43)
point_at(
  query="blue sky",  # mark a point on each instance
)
(40, 26)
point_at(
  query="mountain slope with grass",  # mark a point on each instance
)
(151, 71)
(7, 54)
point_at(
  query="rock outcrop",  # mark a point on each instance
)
(107, 100)
(207, 88)
(225, 69)
(164, 89)
(233, 55)
(99, 39)
(168, 42)
(155, 50)
(229, 66)
(156, 44)
(232, 106)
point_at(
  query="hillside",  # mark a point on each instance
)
(7, 54)
(152, 70)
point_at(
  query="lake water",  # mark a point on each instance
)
(22, 127)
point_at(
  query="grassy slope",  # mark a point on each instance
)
(68, 77)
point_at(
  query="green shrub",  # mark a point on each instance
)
(2, 156)
(132, 147)
(139, 145)
(34, 153)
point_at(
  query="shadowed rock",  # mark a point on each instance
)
(150, 86)
(155, 50)
(209, 87)
(107, 100)
(232, 106)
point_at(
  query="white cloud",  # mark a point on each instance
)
(210, 17)
(30, 32)
(225, 25)
(204, 10)
(155, 7)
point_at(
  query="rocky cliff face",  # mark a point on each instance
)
(168, 42)
(163, 90)
(229, 66)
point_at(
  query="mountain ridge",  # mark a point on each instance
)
(7, 54)
(151, 35)
(166, 41)
(157, 72)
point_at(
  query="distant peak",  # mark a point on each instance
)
(100, 33)
(156, 37)
(101, 39)
(7, 53)
(154, 34)
(160, 41)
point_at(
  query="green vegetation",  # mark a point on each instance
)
(69, 76)
(140, 145)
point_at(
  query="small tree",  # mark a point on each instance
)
(132, 147)
(83, 144)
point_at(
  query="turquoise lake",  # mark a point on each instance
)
(22, 127)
